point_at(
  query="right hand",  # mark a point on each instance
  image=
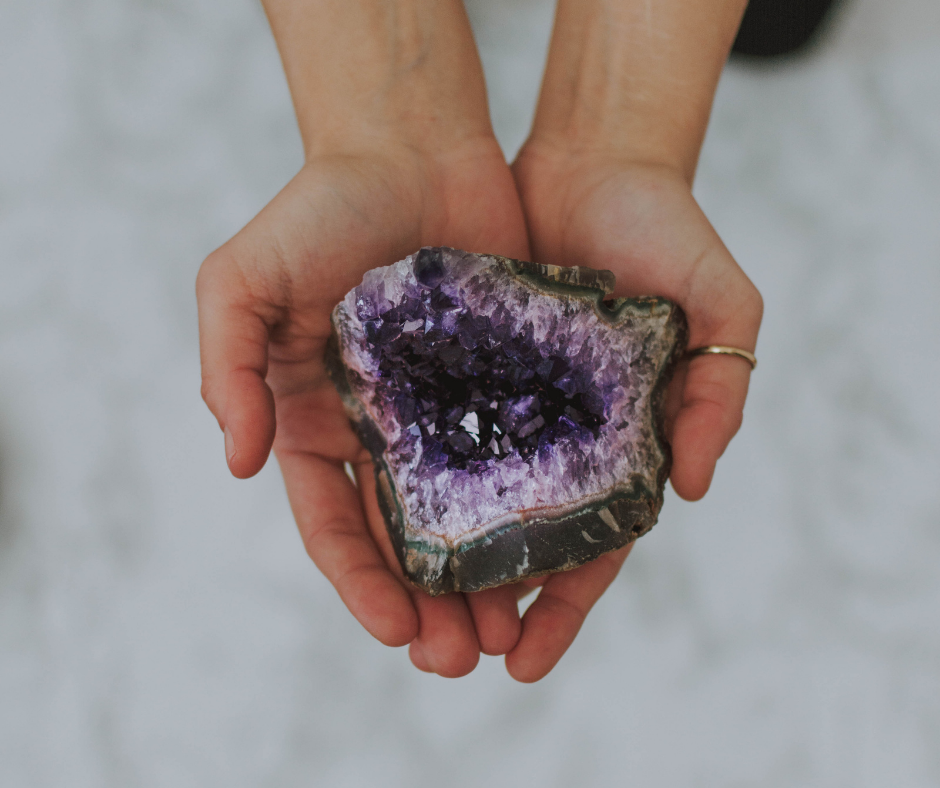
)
(265, 299)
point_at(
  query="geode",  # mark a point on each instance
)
(514, 412)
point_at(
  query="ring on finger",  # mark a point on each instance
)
(724, 350)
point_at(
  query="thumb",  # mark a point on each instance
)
(233, 345)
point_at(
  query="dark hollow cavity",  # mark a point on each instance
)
(471, 389)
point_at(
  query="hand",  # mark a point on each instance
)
(265, 299)
(641, 222)
(266, 296)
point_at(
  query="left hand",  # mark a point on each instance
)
(641, 222)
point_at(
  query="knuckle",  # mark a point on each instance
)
(560, 607)
(207, 274)
(205, 390)
(753, 307)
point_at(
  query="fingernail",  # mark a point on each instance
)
(229, 446)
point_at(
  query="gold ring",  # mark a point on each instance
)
(724, 350)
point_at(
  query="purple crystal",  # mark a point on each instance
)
(513, 414)
(429, 267)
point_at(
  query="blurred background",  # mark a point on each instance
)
(160, 624)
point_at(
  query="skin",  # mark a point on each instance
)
(400, 153)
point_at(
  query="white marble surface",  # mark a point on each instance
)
(159, 622)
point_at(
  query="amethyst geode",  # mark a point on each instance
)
(515, 416)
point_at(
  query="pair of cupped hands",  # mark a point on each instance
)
(265, 299)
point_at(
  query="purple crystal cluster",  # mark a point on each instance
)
(472, 389)
(514, 412)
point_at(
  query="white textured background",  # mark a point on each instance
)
(159, 622)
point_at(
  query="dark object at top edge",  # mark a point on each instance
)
(778, 28)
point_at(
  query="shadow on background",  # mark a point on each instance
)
(7, 526)
(782, 28)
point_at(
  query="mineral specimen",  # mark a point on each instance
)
(513, 414)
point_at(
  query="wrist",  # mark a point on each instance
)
(362, 72)
(427, 169)
(560, 156)
(409, 138)
(547, 165)
(634, 82)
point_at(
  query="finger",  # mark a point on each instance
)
(553, 620)
(672, 403)
(311, 419)
(329, 515)
(417, 657)
(495, 614)
(233, 343)
(446, 635)
(713, 396)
